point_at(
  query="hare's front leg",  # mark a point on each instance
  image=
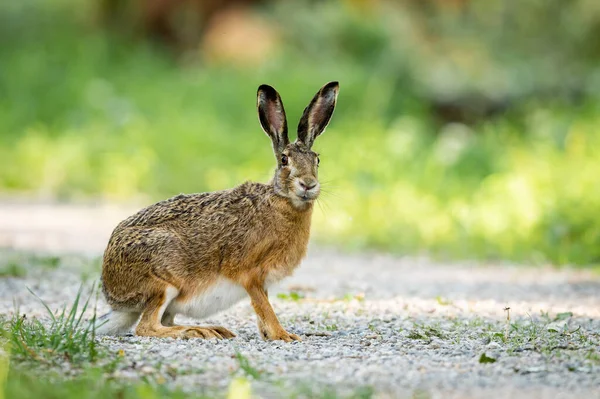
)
(268, 324)
(155, 323)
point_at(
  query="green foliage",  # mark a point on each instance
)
(486, 359)
(563, 316)
(87, 113)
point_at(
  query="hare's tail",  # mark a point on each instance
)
(116, 322)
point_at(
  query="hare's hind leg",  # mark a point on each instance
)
(168, 319)
(150, 324)
(154, 315)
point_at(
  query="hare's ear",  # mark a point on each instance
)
(272, 117)
(318, 113)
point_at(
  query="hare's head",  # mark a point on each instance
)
(296, 176)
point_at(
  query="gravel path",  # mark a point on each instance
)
(404, 326)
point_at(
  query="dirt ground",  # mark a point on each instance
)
(403, 326)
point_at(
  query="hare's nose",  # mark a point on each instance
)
(308, 185)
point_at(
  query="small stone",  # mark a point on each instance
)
(493, 345)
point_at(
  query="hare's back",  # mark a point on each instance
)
(203, 217)
(182, 206)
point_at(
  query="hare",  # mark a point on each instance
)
(198, 254)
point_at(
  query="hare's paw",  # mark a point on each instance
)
(291, 337)
(207, 332)
(225, 333)
(282, 335)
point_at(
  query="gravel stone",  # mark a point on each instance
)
(396, 338)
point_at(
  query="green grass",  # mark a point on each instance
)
(291, 296)
(425, 333)
(19, 264)
(12, 269)
(552, 337)
(330, 393)
(486, 359)
(66, 337)
(247, 368)
(91, 385)
(59, 357)
(86, 113)
(42, 350)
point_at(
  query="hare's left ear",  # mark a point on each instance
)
(318, 113)
(272, 117)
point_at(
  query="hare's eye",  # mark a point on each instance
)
(318, 161)
(284, 160)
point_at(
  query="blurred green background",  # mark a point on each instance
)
(464, 129)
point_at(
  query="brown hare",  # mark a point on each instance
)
(198, 254)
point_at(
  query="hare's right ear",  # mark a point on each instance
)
(318, 113)
(272, 117)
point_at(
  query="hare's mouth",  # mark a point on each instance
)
(307, 196)
(301, 201)
(305, 192)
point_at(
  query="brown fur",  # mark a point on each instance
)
(252, 235)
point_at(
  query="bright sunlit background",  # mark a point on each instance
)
(464, 129)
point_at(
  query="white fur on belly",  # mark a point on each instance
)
(220, 296)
